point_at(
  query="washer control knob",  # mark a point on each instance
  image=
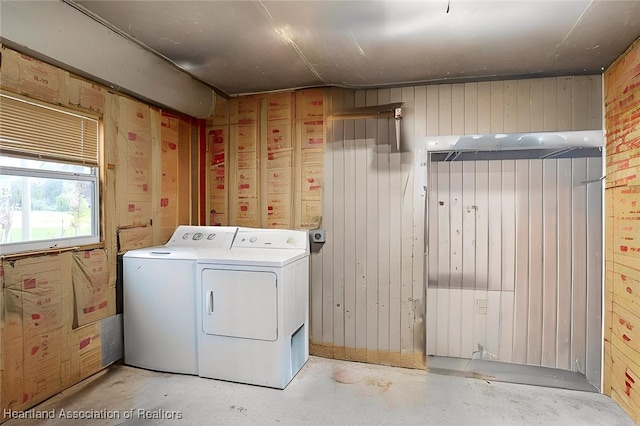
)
(211, 236)
(197, 236)
(185, 236)
(253, 239)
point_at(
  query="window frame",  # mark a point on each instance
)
(95, 177)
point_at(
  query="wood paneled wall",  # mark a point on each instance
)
(367, 286)
(514, 106)
(368, 281)
(515, 262)
(622, 234)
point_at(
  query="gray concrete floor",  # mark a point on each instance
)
(326, 392)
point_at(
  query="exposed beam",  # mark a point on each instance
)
(59, 34)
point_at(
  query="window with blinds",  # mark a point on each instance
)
(49, 163)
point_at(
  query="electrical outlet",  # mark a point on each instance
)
(481, 306)
(318, 235)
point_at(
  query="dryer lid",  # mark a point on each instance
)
(252, 257)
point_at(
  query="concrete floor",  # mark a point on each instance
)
(326, 392)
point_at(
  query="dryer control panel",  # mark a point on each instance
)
(271, 239)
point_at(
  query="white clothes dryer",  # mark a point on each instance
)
(254, 308)
(159, 297)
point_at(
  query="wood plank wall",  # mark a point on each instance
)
(622, 232)
(368, 281)
(506, 281)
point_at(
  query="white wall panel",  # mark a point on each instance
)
(510, 107)
(494, 248)
(550, 113)
(328, 248)
(468, 257)
(484, 109)
(580, 101)
(407, 159)
(536, 105)
(395, 243)
(545, 316)
(534, 343)
(479, 283)
(433, 279)
(455, 260)
(482, 224)
(373, 230)
(444, 110)
(506, 326)
(316, 297)
(550, 263)
(348, 225)
(360, 167)
(579, 263)
(383, 148)
(444, 257)
(563, 340)
(419, 220)
(593, 354)
(458, 115)
(480, 324)
(492, 346)
(338, 179)
(564, 93)
(508, 224)
(470, 108)
(521, 301)
(498, 96)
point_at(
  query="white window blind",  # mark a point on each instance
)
(31, 130)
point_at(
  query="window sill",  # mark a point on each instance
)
(30, 253)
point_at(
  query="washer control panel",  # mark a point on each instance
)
(203, 236)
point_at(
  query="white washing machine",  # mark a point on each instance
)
(254, 308)
(159, 297)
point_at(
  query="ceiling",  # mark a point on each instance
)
(241, 47)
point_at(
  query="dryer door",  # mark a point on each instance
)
(240, 304)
